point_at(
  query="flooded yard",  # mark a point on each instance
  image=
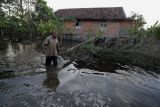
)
(25, 81)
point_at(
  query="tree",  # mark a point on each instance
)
(27, 17)
(154, 31)
(45, 27)
(139, 23)
(150, 34)
(2, 17)
(43, 11)
(19, 16)
(47, 22)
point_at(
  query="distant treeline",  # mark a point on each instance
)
(26, 19)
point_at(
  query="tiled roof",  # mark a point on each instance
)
(112, 13)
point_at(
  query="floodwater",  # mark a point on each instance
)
(25, 81)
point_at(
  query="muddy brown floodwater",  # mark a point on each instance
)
(25, 81)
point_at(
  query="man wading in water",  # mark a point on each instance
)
(51, 49)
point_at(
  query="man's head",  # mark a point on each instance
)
(54, 34)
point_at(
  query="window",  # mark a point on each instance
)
(123, 32)
(78, 26)
(103, 25)
(77, 23)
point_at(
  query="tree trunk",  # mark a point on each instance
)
(21, 10)
(2, 32)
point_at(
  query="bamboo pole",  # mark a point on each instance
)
(77, 45)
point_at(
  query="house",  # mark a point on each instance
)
(95, 21)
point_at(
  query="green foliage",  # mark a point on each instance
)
(99, 33)
(138, 30)
(45, 27)
(44, 12)
(157, 32)
(17, 14)
(154, 31)
(139, 22)
(2, 15)
(28, 17)
(91, 46)
(88, 46)
(2, 21)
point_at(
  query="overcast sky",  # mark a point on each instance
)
(150, 9)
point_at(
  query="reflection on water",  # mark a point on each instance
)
(26, 82)
(52, 80)
(20, 58)
(10, 52)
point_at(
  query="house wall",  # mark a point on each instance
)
(113, 28)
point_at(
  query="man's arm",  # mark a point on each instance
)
(45, 45)
(58, 47)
